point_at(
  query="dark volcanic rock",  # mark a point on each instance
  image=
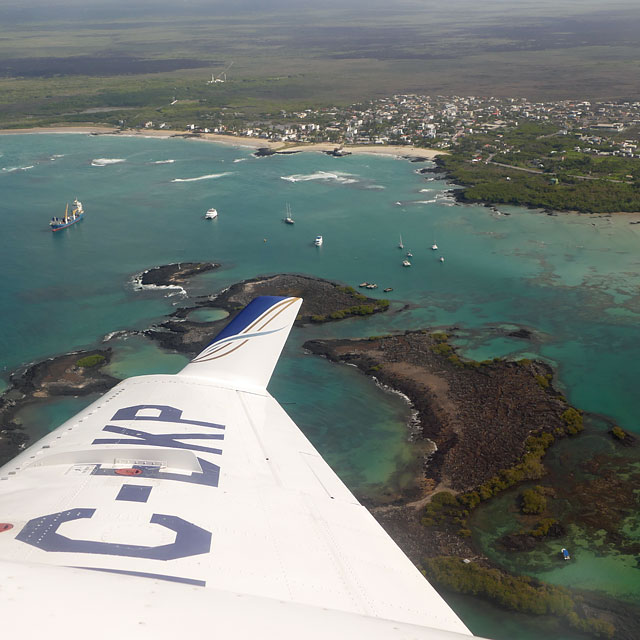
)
(523, 334)
(60, 376)
(263, 152)
(478, 415)
(174, 274)
(321, 298)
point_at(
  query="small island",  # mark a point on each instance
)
(323, 301)
(479, 415)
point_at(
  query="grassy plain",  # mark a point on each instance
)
(56, 63)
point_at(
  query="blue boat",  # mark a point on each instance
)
(77, 213)
(565, 555)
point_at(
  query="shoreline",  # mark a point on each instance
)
(407, 151)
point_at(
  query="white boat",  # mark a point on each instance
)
(211, 214)
(409, 254)
(318, 241)
(289, 218)
(400, 245)
(406, 263)
(441, 258)
(434, 247)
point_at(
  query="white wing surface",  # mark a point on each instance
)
(191, 503)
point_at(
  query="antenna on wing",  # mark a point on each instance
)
(244, 354)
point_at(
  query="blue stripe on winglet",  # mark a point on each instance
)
(248, 315)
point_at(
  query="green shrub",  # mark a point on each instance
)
(90, 361)
(442, 349)
(542, 527)
(516, 593)
(532, 501)
(572, 419)
(543, 381)
(618, 433)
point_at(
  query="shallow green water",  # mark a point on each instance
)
(207, 315)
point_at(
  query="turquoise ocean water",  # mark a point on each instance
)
(572, 280)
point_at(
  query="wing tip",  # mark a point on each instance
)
(248, 348)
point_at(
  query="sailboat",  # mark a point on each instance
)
(400, 245)
(288, 218)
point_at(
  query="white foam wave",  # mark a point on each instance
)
(211, 176)
(375, 186)
(12, 169)
(425, 190)
(339, 177)
(122, 333)
(239, 159)
(104, 162)
(163, 162)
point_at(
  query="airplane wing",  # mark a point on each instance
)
(191, 503)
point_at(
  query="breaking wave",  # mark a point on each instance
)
(339, 177)
(136, 283)
(12, 169)
(211, 176)
(163, 162)
(104, 162)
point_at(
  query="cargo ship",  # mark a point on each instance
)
(77, 213)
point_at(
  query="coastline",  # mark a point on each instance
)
(407, 151)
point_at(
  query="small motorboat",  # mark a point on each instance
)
(211, 214)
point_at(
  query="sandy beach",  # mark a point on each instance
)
(241, 141)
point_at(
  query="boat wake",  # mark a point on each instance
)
(211, 176)
(339, 177)
(163, 162)
(105, 162)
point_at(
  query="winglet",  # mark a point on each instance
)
(246, 351)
